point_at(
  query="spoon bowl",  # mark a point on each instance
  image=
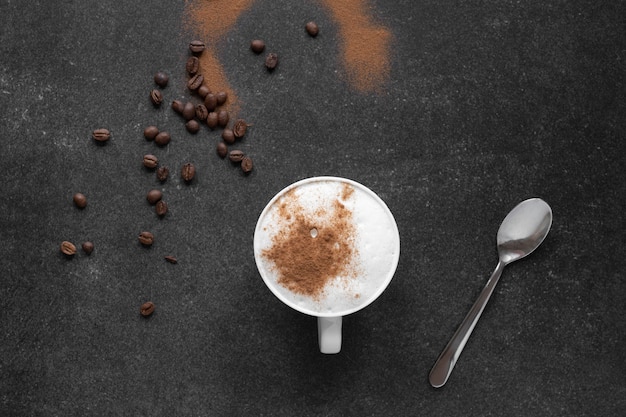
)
(520, 233)
(523, 229)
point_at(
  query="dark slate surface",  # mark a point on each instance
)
(489, 103)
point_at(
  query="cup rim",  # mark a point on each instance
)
(272, 286)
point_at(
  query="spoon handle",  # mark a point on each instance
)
(446, 361)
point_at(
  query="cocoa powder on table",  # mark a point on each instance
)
(364, 44)
(211, 20)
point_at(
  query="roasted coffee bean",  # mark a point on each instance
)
(195, 82)
(222, 118)
(162, 139)
(146, 309)
(257, 46)
(150, 132)
(196, 46)
(210, 101)
(156, 97)
(246, 164)
(178, 106)
(101, 135)
(312, 29)
(161, 208)
(211, 119)
(271, 61)
(228, 136)
(162, 173)
(222, 150)
(193, 65)
(150, 161)
(80, 200)
(239, 128)
(201, 112)
(68, 248)
(203, 90)
(192, 126)
(235, 156)
(188, 171)
(87, 247)
(171, 259)
(161, 79)
(153, 196)
(221, 97)
(189, 111)
(146, 238)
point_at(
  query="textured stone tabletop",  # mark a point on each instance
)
(465, 109)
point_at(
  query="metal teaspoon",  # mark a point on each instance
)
(520, 233)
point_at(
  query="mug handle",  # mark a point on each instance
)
(329, 334)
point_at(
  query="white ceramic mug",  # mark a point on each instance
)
(368, 233)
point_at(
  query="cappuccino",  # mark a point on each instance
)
(326, 246)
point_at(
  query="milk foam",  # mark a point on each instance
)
(377, 243)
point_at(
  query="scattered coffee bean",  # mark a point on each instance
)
(195, 82)
(161, 79)
(246, 164)
(239, 128)
(236, 156)
(196, 47)
(80, 200)
(222, 150)
(203, 90)
(178, 106)
(154, 196)
(221, 97)
(146, 309)
(146, 238)
(193, 65)
(189, 111)
(211, 119)
(192, 126)
(171, 259)
(188, 171)
(68, 248)
(222, 118)
(228, 136)
(150, 132)
(210, 101)
(201, 112)
(150, 161)
(156, 97)
(162, 139)
(101, 135)
(88, 247)
(162, 173)
(160, 208)
(271, 61)
(257, 46)
(312, 29)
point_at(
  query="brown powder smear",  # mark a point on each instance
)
(210, 21)
(364, 45)
(306, 264)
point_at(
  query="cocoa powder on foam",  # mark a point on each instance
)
(306, 262)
